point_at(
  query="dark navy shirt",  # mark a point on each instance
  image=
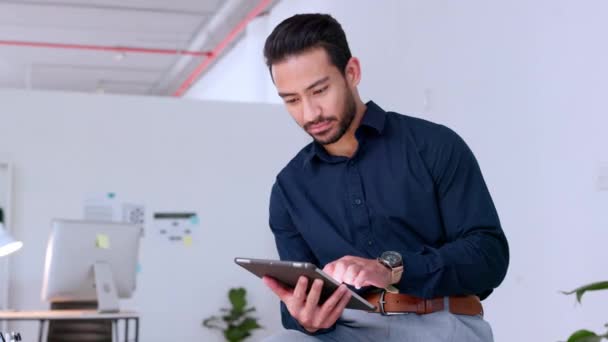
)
(413, 187)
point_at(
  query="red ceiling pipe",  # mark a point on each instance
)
(261, 6)
(118, 49)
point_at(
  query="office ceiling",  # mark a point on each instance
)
(146, 47)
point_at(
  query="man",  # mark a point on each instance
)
(380, 201)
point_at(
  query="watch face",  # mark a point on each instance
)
(392, 258)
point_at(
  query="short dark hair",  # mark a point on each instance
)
(303, 32)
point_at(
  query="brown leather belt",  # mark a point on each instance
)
(398, 303)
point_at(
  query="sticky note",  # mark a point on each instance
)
(188, 241)
(102, 241)
(194, 220)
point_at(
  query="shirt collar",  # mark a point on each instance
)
(374, 118)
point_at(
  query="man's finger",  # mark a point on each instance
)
(351, 273)
(350, 259)
(330, 268)
(300, 290)
(362, 279)
(313, 296)
(282, 291)
(333, 300)
(339, 308)
(339, 270)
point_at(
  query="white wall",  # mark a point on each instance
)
(216, 159)
(242, 76)
(524, 82)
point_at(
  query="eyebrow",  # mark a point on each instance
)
(316, 83)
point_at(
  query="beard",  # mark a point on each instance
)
(344, 122)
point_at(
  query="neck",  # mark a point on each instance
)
(348, 144)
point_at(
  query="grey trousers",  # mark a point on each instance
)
(356, 325)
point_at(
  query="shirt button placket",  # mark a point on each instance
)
(359, 210)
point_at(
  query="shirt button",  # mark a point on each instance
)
(370, 242)
(358, 201)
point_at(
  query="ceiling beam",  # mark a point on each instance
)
(116, 49)
(106, 7)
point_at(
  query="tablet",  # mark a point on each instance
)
(288, 273)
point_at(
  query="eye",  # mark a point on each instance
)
(320, 91)
(292, 100)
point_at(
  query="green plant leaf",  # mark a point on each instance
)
(584, 336)
(249, 324)
(237, 298)
(602, 285)
(233, 317)
(235, 322)
(213, 322)
(234, 334)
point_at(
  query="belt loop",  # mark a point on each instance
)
(421, 306)
(446, 303)
(382, 302)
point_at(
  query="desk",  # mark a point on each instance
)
(52, 315)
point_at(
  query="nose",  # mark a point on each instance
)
(310, 110)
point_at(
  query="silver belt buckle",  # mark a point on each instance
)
(382, 311)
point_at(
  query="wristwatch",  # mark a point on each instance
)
(394, 262)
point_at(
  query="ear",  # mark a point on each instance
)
(352, 72)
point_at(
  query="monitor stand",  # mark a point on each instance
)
(107, 299)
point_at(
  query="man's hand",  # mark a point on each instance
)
(359, 272)
(305, 308)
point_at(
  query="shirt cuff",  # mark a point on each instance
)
(415, 271)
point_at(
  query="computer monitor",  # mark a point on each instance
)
(91, 261)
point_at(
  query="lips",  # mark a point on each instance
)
(320, 127)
